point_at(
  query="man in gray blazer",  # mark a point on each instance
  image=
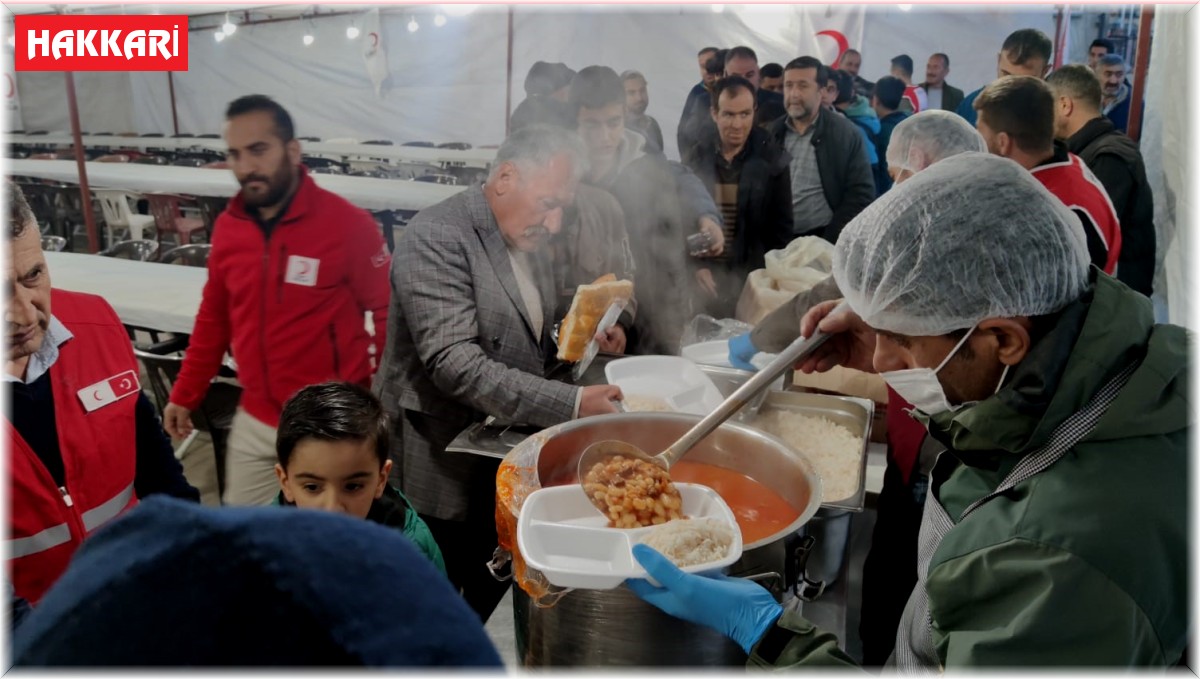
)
(471, 311)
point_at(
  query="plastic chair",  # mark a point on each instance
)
(54, 243)
(210, 208)
(188, 255)
(137, 250)
(114, 203)
(150, 160)
(216, 411)
(166, 209)
(445, 179)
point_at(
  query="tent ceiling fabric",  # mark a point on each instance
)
(448, 83)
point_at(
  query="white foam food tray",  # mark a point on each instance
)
(674, 379)
(562, 534)
(716, 353)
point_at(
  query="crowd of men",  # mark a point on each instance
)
(464, 309)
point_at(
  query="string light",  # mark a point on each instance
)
(352, 32)
(219, 36)
(413, 25)
(308, 39)
(439, 20)
(229, 27)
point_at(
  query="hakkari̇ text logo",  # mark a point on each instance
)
(101, 43)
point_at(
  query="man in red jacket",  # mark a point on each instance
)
(292, 272)
(1016, 119)
(84, 442)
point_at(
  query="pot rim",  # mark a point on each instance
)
(816, 484)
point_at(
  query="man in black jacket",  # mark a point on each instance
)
(1116, 161)
(830, 173)
(749, 179)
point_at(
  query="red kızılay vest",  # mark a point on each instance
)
(1075, 185)
(95, 369)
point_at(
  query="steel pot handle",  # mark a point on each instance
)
(803, 588)
(500, 558)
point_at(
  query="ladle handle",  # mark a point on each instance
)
(796, 351)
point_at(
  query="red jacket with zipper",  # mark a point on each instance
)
(290, 306)
(95, 369)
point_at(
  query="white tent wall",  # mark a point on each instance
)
(1165, 144)
(448, 83)
(105, 99)
(970, 35)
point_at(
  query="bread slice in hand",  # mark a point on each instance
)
(587, 308)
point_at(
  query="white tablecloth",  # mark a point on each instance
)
(413, 154)
(146, 294)
(365, 192)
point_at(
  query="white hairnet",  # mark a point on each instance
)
(929, 136)
(972, 237)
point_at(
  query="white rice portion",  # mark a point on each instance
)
(636, 403)
(834, 452)
(691, 542)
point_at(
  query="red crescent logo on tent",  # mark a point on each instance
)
(842, 43)
(374, 39)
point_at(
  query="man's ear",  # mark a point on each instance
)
(384, 472)
(505, 178)
(1004, 144)
(1012, 338)
(293, 151)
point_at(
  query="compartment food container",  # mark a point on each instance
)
(563, 535)
(676, 380)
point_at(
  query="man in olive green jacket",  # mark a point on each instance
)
(1046, 381)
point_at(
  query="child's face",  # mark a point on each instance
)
(336, 476)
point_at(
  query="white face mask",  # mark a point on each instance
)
(921, 387)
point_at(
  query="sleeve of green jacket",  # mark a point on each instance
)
(1026, 603)
(781, 327)
(808, 646)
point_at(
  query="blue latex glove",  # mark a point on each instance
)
(737, 608)
(741, 350)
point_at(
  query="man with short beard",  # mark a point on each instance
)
(637, 100)
(831, 176)
(292, 272)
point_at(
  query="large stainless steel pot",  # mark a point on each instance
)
(614, 627)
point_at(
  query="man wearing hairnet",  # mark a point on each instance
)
(890, 570)
(1055, 530)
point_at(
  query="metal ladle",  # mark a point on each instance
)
(602, 450)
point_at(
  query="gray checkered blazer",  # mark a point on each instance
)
(461, 346)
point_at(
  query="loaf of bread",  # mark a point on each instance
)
(587, 308)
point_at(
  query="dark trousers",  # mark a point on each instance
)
(890, 570)
(467, 547)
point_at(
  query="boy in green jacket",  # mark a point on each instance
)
(332, 447)
(1055, 530)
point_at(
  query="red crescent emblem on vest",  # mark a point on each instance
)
(842, 43)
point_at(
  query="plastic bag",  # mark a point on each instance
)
(805, 262)
(760, 296)
(515, 480)
(705, 328)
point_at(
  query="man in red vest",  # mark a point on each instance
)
(294, 268)
(84, 442)
(1016, 119)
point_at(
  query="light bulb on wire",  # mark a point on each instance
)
(413, 25)
(352, 32)
(228, 27)
(439, 20)
(308, 39)
(219, 36)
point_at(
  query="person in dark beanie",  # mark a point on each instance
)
(174, 584)
(889, 92)
(546, 87)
